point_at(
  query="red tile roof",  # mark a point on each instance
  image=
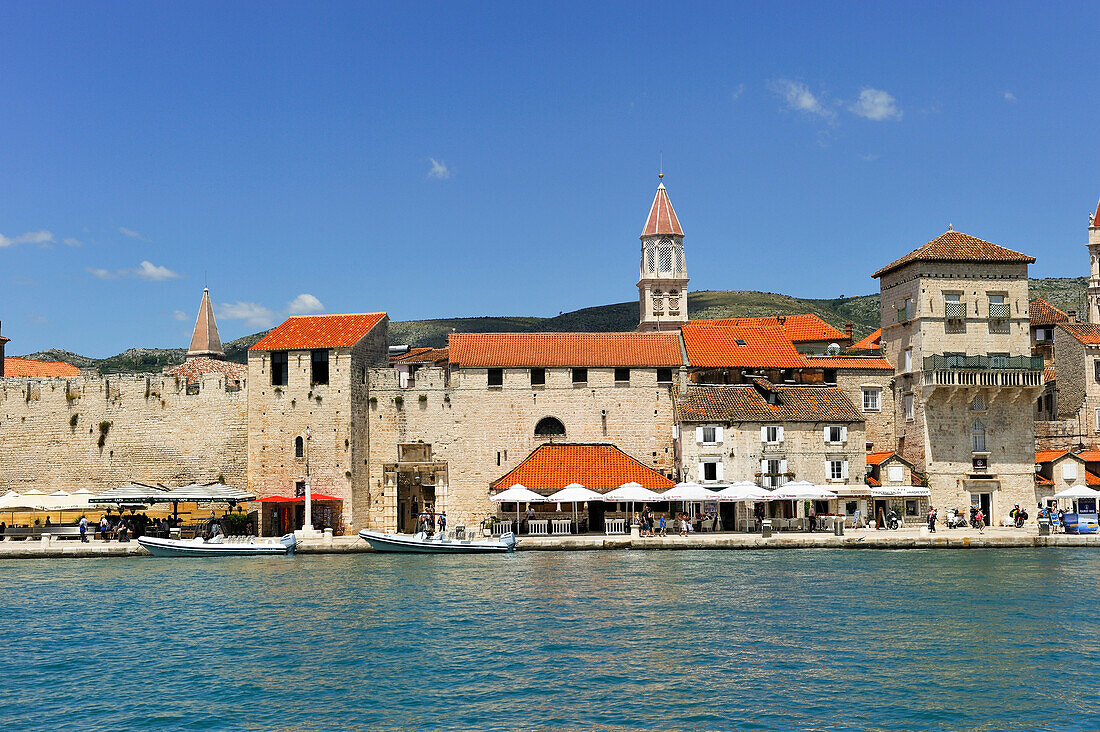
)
(1091, 478)
(717, 346)
(801, 328)
(877, 458)
(597, 467)
(194, 368)
(1087, 333)
(868, 343)
(662, 219)
(1096, 216)
(849, 362)
(748, 403)
(1046, 456)
(1049, 373)
(1043, 481)
(421, 355)
(319, 331)
(872, 481)
(480, 350)
(29, 367)
(955, 246)
(1090, 456)
(1043, 313)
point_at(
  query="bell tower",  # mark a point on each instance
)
(1094, 267)
(662, 280)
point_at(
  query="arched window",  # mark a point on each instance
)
(679, 260)
(649, 260)
(549, 427)
(978, 436)
(664, 256)
(299, 447)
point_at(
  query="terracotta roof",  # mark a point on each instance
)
(849, 362)
(714, 346)
(868, 343)
(877, 458)
(955, 246)
(421, 355)
(29, 367)
(193, 368)
(1043, 313)
(480, 350)
(1090, 456)
(1087, 333)
(1091, 478)
(1043, 481)
(747, 403)
(597, 467)
(1096, 216)
(1049, 373)
(205, 341)
(1046, 456)
(872, 481)
(319, 331)
(4, 340)
(800, 328)
(662, 219)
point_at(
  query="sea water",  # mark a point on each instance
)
(694, 640)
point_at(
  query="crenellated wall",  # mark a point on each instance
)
(101, 432)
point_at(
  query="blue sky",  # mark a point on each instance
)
(461, 160)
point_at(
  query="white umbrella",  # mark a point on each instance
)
(629, 493)
(574, 493)
(517, 494)
(743, 492)
(802, 491)
(689, 491)
(1078, 491)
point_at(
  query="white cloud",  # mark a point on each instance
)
(304, 303)
(180, 316)
(875, 104)
(738, 92)
(439, 170)
(132, 234)
(41, 237)
(154, 273)
(1010, 97)
(106, 274)
(799, 98)
(71, 242)
(38, 319)
(252, 313)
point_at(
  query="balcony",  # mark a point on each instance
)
(998, 311)
(983, 371)
(903, 315)
(954, 310)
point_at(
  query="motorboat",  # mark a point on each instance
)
(219, 546)
(438, 544)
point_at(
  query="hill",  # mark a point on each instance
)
(1066, 293)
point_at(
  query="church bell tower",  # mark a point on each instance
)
(1094, 267)
(662, 281)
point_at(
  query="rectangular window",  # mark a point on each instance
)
(318, 366)
(834, 434)
(1096, 369)
(998, 308)
(773, 434)
(710, 471)
(907, 404)
(622, 376)
(580, 376)
(910, 507)
(496, 377)
(280, 368)
(952, 306)
(538, 377)
(709, 436)
(836, 470)
(896, 473)
(664, 376)
(907, 361)
(871, 400)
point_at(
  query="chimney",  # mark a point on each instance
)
(848, 330)
(1072, 315)
(782, 319)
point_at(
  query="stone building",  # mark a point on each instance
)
(1093, 296)
(955, 323)
(662, 278)
(307, 408)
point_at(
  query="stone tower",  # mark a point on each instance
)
(205, 342)
(1094, 267)
(662, 281)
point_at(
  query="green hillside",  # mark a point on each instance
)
(1067, 293)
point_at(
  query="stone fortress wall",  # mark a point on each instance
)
(101, 432)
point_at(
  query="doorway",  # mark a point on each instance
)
(595, 516)
(882, 507)
(984, 502)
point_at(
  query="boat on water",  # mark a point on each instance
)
(421, 543)
(219, 546)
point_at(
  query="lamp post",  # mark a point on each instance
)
(308, 523)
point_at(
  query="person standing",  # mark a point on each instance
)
(932, 519)
(812, 514)
(979, 517)
(441, 522)
(83, 529)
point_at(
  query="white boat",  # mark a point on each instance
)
(423, 544)
(219, 546)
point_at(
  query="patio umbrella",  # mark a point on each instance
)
(689, 491)
(1078, 491)
(631, 492)
(745, 492)
(517, 494)
(574, 493)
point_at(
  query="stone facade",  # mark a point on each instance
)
(879, 432)
(99, 433)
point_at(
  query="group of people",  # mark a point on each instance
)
(428, 522)
(651, 523)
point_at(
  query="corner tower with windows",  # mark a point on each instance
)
(1094, 267)
(955, 322)
(662, 281)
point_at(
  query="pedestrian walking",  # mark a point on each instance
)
(812, 514)
(932, 519)
(980, 518)
(83, 529)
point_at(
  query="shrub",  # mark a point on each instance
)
(104, 428)
(73, 419)
(398, 400)
(423, 397)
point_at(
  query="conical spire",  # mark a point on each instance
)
(662, 219)
(205, 341)
(1095, 223)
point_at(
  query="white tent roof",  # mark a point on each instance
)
(517, 494)
(631, 492)
(573, 493)
(206, 492)
(688, 491)
(131, 494)
(1078, 491)
(743, 491)
(802, 490)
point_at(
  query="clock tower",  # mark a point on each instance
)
(662, 281)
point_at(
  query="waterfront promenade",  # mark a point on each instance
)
(909, 538)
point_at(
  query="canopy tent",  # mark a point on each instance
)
(689, 491)
(134, 493)
(744, 491)
(631, 492)
(574, 493)
(1078, 491)
(206, 493)
(802, 490)
(517, 494)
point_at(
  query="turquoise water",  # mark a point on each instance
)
(907, 640)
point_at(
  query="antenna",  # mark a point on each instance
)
(661, 165)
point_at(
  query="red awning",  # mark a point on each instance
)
(274, 499)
